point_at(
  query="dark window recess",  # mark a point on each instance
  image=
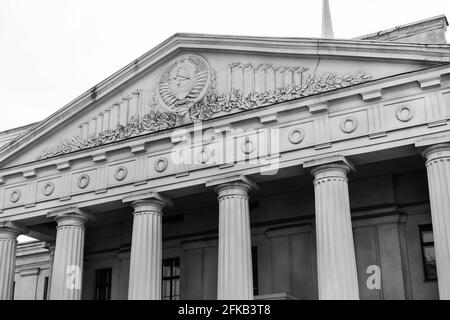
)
(176, 218)
(171, 279)
(103, 284)
(13, 290)
(428, 253)
(44, 297)
(255, 270)
(253, 205)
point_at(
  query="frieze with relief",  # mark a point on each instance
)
(186, 92)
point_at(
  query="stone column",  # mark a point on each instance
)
(146, 247)
(235, 279)
(336, 263)
(9, 232)
(51, 248)
(67, 271)
(438, 169)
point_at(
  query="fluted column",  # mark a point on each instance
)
(146, 248)
(235, 278)
(51, 250)
(438, 169)
(336, 263)
(67, 272)
(8, 241)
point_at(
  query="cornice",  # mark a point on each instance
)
(392, 34)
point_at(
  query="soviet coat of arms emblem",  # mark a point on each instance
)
(183, 82)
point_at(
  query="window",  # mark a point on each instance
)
(45, 288)
(13, 290)
(428, 254)
(255, 270)
(171, 279)
(103, 284)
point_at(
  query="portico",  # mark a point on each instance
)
(255, 172)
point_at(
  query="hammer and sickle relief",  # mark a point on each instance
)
(184, 82)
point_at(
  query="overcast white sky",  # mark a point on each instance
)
(51, 51)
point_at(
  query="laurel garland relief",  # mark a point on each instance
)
(187, 92)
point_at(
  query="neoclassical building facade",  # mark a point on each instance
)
(223, 167)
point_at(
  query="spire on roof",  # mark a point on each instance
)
(327, 24)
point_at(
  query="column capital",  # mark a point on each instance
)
(436, 151)
(434, 147)
(70, 216)
(232, 184)
(329, 166)
(147, 198)
(11, 230)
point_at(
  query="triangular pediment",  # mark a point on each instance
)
(191, 78)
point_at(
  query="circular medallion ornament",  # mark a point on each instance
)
(349, 125)
(404, 113)
(48, 188)
(204, 156)
(248, 146)
(183, 82)
(15, 196)
(296, 136)
(121, 173)
(161, 165)
(83, 181)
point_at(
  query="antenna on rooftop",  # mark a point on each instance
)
(327, 24)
